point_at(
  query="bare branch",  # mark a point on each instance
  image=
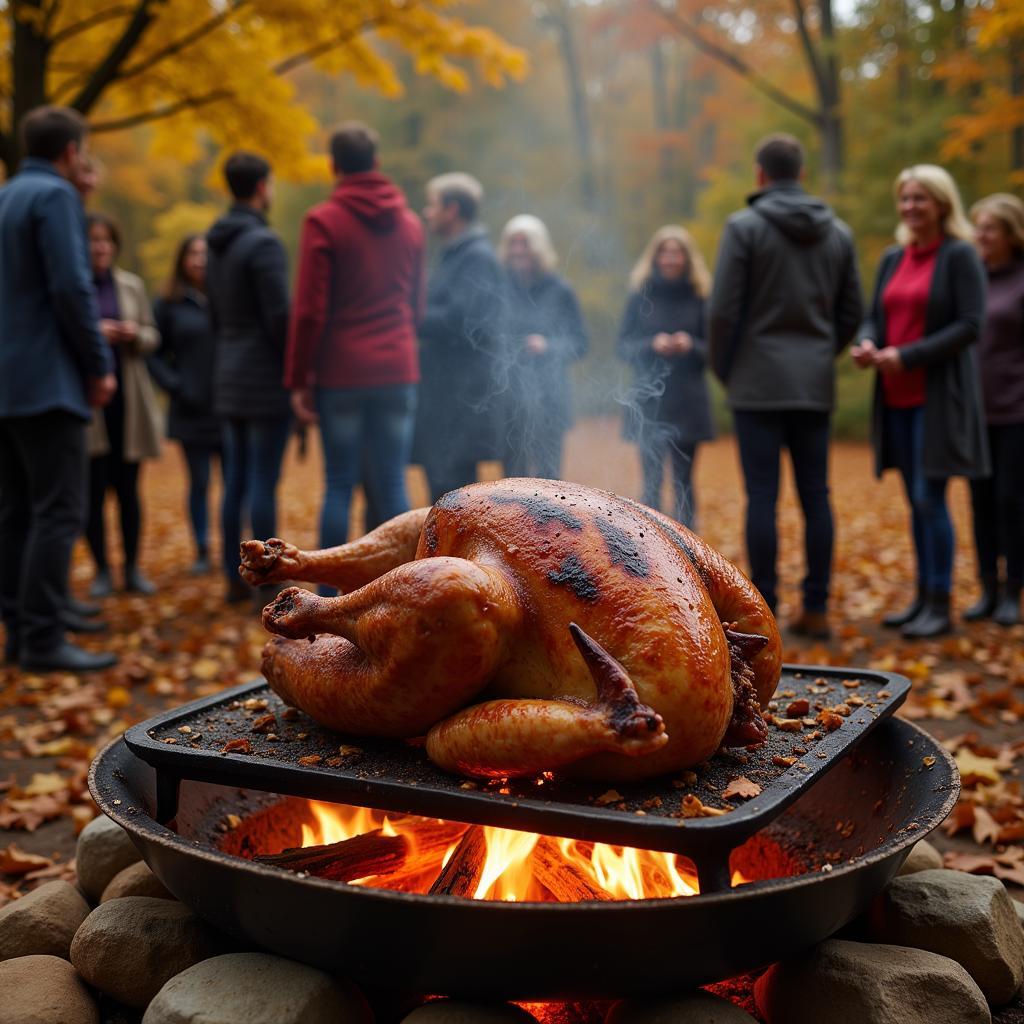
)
(305, 56)
(810, 50)
(108, 69)
(686, 28)
(78, 27)
(159, 113)
(187, 40)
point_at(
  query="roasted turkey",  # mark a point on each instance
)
(524, 626)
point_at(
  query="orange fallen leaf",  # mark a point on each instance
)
(742, 787)
(15, 861)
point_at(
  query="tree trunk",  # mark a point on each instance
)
(662, 122)
(1016, 90)
(561, 20)
(30, 52)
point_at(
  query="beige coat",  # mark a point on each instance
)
(142, 417)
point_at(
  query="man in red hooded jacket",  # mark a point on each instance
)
(352, 361)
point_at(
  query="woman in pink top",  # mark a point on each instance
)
(928, 422)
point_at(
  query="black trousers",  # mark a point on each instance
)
(655, 446)
(111, 471)
(762, 435)
(998, 504)
(42, 510)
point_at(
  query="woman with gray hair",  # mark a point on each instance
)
(542, 332)
(998, 500)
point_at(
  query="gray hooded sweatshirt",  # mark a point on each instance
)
(786, 301)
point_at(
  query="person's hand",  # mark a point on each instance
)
(681, 343)
(864, 353)
(111, 330)
(129, 331)
(888, 360)
(100, 390)
(662, 344)
(536, 344)
(303, 406)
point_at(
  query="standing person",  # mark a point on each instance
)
(247, 285)
(998, 500)
(54, 365)
(351, 361)
(456, 424)
(786, 301)
(542, 332)
(927, 421)
(127, 429)
(183, 367)
(663, 336)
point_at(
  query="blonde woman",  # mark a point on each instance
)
(999, 499)
(928, 423)
(542, 332)
(663, 337)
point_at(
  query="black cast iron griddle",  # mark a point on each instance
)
(291, 754)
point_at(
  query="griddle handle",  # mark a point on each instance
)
(168, 786)
(713, 872)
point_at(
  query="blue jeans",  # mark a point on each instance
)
(930, 522)
(198, 458)
(762, 435)
(365, 432)
(253, 450)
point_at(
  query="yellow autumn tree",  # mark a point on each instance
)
(990, 71)
(223, 66)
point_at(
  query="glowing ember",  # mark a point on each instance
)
(513, 860)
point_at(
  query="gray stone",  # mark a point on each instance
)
(43, 922)
(104, 849)
(922, 857)
(969, 918)
(135, 880)
(256, 988)
(452, 1011)
(696, 1008)
(130, 947)
(44, 990)
(859, 983)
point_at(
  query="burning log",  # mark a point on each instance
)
(372, 853)
(462, 873)
(562, 878)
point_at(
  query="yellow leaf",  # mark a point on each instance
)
(974, 768)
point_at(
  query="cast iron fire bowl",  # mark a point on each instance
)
(853, 829)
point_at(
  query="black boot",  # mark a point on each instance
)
(986, 604)
(1007, 611)
(934, 619)
(897, 619)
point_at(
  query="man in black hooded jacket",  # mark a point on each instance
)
(786, 301)
(247, 285)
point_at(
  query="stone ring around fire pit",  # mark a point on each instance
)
(851, 832)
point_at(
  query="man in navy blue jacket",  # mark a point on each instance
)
(54, 365)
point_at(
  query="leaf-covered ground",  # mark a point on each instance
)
(184, 642)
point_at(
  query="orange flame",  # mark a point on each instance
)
(507, 874)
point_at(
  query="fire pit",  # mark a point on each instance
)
(573, 919)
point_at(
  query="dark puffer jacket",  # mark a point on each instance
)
(247, 282)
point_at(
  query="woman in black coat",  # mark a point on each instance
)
(542, 333)
(928, 421)
(663, 337)
(183, 366)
